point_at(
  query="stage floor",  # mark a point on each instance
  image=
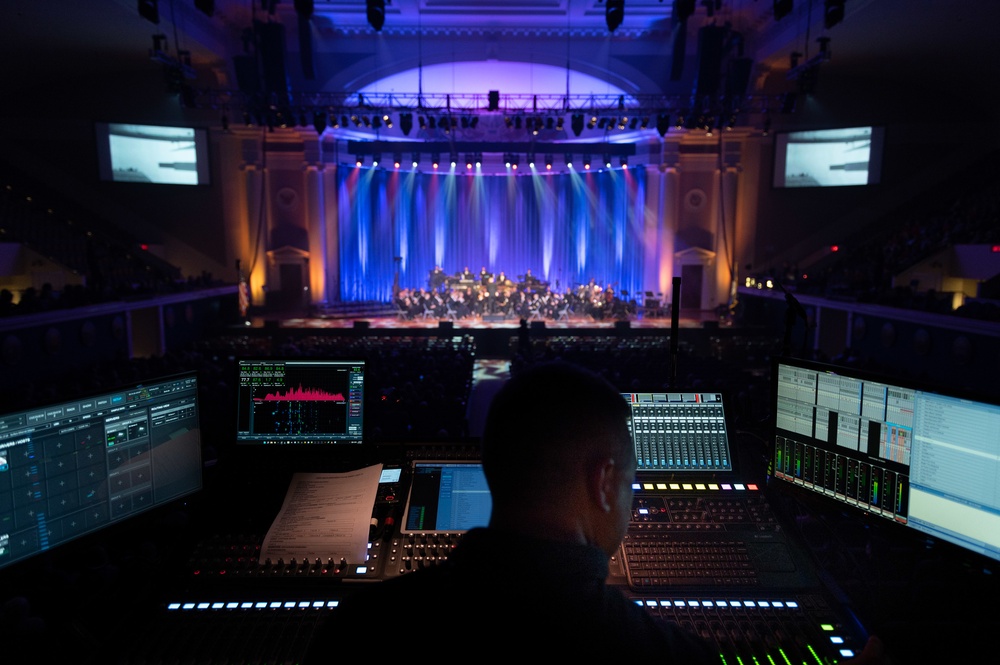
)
(685, 319)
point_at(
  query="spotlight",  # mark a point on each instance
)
(474, 122)
(607, 161)
(559, 123)
(422, 121)
(376, 122)
(576, 123)
(435, 159)
(568, 158)
(359, 160)
(479, 159)
(397, 159)
(662, 124)
(624, 162)
(454, 160)
(376, 158)
(586, 162)
(782, 8)
(614, 12)
(592, 122)
(376, 13)
(531, 160)
(387, 119)
(645, 122)
(416, 159)
(633, 122)
(548, 162)
(405, 123)
(468, 162)
(319, 121)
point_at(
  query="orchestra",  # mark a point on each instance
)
(471, 295)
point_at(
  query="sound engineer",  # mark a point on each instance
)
(533, 582)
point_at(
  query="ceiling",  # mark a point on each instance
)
(939, 53)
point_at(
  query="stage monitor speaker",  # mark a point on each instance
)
(362, 325)
(710, 325)
(446, 326)
(622, 325)
(271, 324)
(538, 325)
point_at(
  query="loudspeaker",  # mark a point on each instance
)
(271, 38)
(622, 325)
(446, 326)
(494, 100)
(538, 325)
(271, 324)
(711, 40)
(362, 325)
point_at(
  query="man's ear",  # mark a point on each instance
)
(602, 485)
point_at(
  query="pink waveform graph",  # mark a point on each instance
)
(301, 394)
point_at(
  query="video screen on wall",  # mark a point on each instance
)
(843, 157)
(156, 154)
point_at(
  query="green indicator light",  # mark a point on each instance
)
(827, 627)
(784, 656)
(814, 654)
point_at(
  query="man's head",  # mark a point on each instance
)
(557, 454)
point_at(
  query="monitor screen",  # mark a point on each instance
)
(447, 497)
(679, 431)
(72, 468)
(921, 456)
(828, 157)
(300, 402)
(157, 154)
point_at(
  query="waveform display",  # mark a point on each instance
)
(301, 394)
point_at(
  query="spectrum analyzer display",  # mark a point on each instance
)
(300, 402)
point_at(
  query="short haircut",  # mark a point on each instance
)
(543, 420)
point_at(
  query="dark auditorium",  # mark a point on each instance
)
(562, 330)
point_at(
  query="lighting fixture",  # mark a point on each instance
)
(614, 12)
(376, 13)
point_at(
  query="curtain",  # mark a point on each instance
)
(569, 229)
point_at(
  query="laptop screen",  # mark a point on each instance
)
(927, 457)
(71, 468)
(446, 496)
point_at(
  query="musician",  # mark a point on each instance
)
(437, 278)
(466, 275)
(484, 276)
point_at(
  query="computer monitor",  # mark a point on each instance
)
(300, 402)
(927, 457)
(446, 496)
(71, 468)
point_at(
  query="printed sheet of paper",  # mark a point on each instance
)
(325, 516)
